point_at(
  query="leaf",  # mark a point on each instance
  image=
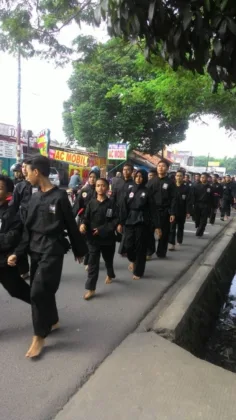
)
(231, 25)
(223, 28)
(207, 5)
(217, 45)
(151, 11)
(187, 18)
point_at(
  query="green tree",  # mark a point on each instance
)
(93, 115)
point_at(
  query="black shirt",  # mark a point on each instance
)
(202, 195)
(83, 198)
(10, 231)
(227, 191)
(49, 217)
(120, 190)
(136, 207)
(162, 193)
(104, 216)
(183, 200)
(21, 197)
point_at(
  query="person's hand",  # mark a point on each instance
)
(12, 260)
(158, 232)
(95, 232)
(188, 216)
(119, 229)
(79, 259)
(172, 219)
(82, 228)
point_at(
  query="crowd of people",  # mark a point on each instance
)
(145, 213)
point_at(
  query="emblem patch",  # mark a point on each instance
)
(165, 186)
(52, 208)
(131, 195)
(84, 194)
(109, 213)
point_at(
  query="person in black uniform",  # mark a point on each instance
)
(99, 224)
(152, 174)
(187, 180)
(217, 191)
(119, 192)
(197, 178)
(83, 198)
(21, 197)
(10, 235)
(49, 217)
(227, 198)
(162, 193)
(17, 171)
(183, 208)
(202, 202)
(136, 216)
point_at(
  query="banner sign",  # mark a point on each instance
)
(43, 141)
(7, 149)
(213, 164)
(117, 151)
(74, 158)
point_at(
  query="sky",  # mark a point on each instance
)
(45, 88)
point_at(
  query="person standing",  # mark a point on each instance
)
(75, 182)
(202, 202)
(49, 217)
(17, 171)
(136, 214)
(227, 198)
(99, 223)
(183, 208)
(217, 191)
(162, 194)
(10, 235)
(152, 174)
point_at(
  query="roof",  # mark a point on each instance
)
(154, 159)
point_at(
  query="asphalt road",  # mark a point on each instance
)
(37, 390)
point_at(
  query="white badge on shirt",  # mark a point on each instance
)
(109, 213)
(143, 194)
(52, 208)
(0, 224)
(208, 190)
(84, 194)
(183, 197)
(131, 195)
(165, 186)
(224, 187)
(130, 186)
(34, 190)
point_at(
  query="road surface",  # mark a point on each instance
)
(37, 390)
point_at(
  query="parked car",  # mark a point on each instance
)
(54, 177)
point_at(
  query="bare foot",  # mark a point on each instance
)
(131, 267)
(108, 280)
(89, 294)
(136, 278)
(36, 347)
(55, 326)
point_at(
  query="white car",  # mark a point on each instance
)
(54, 177)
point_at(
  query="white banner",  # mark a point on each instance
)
(7, 149)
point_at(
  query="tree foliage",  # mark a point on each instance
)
(93, 115)
(227, 162)
(192, 34)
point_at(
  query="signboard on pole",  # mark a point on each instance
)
(43, 141)
(213, 164)
(117, 151)
(7, 149)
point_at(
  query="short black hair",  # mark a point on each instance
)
(180, 171)
(164, 161)
(104, 180)
(129, 166)
(153, 171)
(41, 163)
(205, 174)
(8, 183)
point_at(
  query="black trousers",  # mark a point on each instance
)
(213, 210)
(14, 284)
(165, 227)
(23, 265)
(177, 225)
(136, 242)
(95, 250)
(45, 276)
(151, 241)
(226, 208)
(201, 216)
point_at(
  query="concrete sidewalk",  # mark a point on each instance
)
(149, 378)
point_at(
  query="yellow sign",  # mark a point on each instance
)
(74, 158)
(213, 164)
(43, 142)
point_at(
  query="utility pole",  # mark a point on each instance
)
(18, 136)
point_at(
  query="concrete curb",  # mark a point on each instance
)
(192, 313)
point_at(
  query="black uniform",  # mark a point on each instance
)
(104, 217)
(202, 201)
(119, 192)
(162, 194)
(183, 207)
(136, 214)
(217, 191)
(10, 234)
(21, 197)
(227, 199)
(82, 200)
(49, 216)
